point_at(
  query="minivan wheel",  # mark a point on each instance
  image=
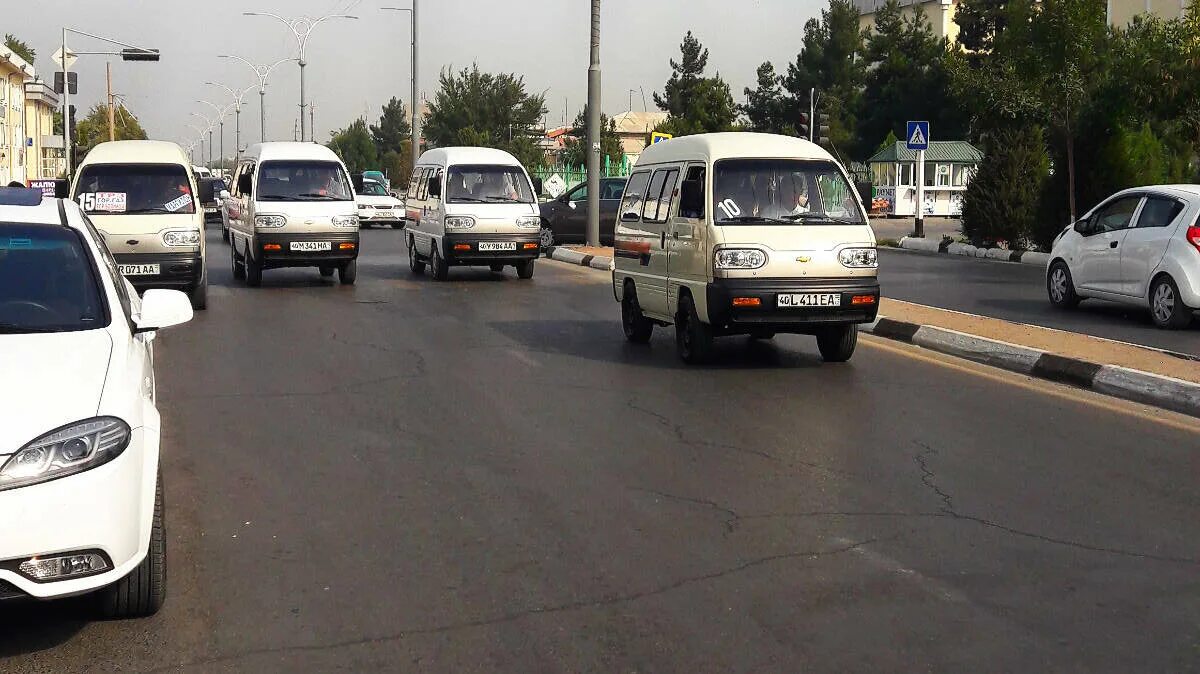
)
(1061, 287)
(225, 233)
(144, 590)
(693, 338)
(437, 265)
(254, 269)
(638, 329)
(525, 269)
(397, 225)
(415, 265)
(199, 295)
(1167, 307)
(348, 273)
(837, 343)
(546, 238)
(239, 268)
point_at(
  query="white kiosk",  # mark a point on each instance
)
(949, 166)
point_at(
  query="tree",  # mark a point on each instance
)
(93, 129)
(574, 151)
(980, 22)
(695, 104)
(1002, 200)
(355, 147)
(766, 107)
(477, 108)
(828, 63)
(20, 48)
(394, 128)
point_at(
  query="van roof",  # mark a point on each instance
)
(137, 152)
(713, 147)
(291, 150)
(449, 156)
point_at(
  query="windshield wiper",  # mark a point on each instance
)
(271, 197)
(509, 200)
(821, 216)
(152, 209)
(750, 218)
(317, 195)
(473, 200)
(14, 329)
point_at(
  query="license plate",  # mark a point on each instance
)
(210, 210)
(810, 300)
(497, 245)
(138, 269)
(311, 246)
(383, 214)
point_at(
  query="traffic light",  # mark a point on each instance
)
(139, 54)
(72, 82)
(71, 120)
(803, 128)
(821, 129)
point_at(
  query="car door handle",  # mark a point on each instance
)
(1112, 244)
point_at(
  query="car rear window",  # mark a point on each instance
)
(48, 281)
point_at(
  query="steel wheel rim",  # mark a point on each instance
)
(547, 237)
(1164, 302)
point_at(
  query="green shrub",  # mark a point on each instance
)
(1003, 200)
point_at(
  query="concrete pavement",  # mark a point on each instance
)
(481, 475)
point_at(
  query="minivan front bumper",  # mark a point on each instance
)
(176, 271)
(276, 250)
(463, 249)
(768, 316)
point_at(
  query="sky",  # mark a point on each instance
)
(355, 66)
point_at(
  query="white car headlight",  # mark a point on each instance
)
(66, 451)
(739, 258)
(181, 237)
(459, 222)
(269, 221)
(363, 207)
(859, 258)
(347, 221)
(529, 221)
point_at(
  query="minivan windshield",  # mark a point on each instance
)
(783, 191)
(134, 189)
(303, 181)
(488, 184)
(47, 281)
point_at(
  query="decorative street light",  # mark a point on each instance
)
(199, 138)
(301, 28)
(210, 124)
(221, 113)
(238, 97)
(262, 72)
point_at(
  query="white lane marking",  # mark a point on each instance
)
(934, 587)
(524, 358)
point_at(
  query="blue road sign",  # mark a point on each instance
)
(918, 135)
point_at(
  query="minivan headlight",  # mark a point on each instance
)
(859, 258)
(181, 237)
(269, 221)
(739, 258)
(66, 451)
(459, 222)
(529, 221)
(345, 221)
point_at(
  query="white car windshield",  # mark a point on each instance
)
(783, 191)
(373, 189)
(47, 281)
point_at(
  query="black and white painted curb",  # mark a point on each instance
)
(967, 250)
(575, 257)
(1120, 382)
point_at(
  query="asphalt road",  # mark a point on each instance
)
(1017, 292)
(481, 475)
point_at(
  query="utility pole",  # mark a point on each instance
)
(312, 122)
(593, 132)
(66, 102)
(416, 102)
(812, 111)
(112, 122)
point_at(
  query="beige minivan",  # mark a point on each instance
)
(743, 234)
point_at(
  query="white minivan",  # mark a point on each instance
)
(743, 234)
(292, 205)
(144, 198)
(471, 206)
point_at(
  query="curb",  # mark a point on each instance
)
(573, 257)
(946, 247)
(1134, 385)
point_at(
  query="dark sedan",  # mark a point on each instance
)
(564, 220)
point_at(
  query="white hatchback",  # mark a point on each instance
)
(1140, 247)
(79, 444)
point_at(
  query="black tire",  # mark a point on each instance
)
(763, 335)
(143, 591)
(1060, 286)
(199, 294)
(837, 343)
(525, 269)
(239, 269)
(415, 264)
(254, 269)
(546, 237)
(437, 265)
(225, 233)
(1167, 307)
(326, 271)
(638, 329)
(497, 268)
(397, 225)
(693, 338)
(348, 273)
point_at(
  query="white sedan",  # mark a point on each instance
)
(1139, 247)
(80, 485)
(377, 207)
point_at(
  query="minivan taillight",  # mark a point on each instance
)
(1193, 235)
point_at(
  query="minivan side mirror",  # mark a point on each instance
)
(62, 188)
(243, 185)
(435, 187)
(691, 199)
(359, 183)
(537, 185)
(162, 309)
(205, 188)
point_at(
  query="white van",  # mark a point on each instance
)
(143, 196)
(743, 234)
(471, 206)
(292, 205)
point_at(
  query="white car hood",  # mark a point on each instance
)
(375, 200)
(49, 380)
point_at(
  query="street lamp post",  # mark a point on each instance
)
(301, 28)
(415, 127)
(199, 138)
(262, 72)
(210, 124)
(238, 97)
(221, 113)
(593, 132)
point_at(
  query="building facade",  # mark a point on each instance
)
(940, 14)
(44, 157)
(15, 72)
(1121, 12)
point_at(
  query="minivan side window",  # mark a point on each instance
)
(661, 196)
(695, 174)
(414, 184)
(631, 202)
(424, 187)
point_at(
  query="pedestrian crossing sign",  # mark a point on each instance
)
(918, 135)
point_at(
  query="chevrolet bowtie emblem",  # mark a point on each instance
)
(803, 258)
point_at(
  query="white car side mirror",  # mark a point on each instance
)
(163, 309)
(224, 195)
(571, 204)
